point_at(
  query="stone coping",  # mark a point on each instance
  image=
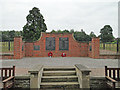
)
(82, 68)
(6, 54)
(110, 54)
(28, 77)
(35, 69)
(97, 77)
(22, 77)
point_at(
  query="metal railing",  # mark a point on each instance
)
(7, 46)
(110, 48)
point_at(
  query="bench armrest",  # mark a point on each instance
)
(113, 80)
(8, 79)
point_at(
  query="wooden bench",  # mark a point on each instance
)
(7, 77)
(113, 75)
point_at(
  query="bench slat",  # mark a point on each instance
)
(112, 75)
(8, 79)
(111, 79)
(118, 74)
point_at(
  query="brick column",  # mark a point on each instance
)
(95, 48)
(18, 47)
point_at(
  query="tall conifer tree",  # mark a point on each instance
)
(34, 26)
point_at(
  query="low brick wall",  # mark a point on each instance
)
(109, 56)
(22, 82)
(6, 56)
(98, 82)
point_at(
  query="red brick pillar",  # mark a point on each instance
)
(95, 48)
(18, 47)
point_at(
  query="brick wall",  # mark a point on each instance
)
(76, 49)
(95, 48)
(18, 48)
(22, 82)
(28, 49)
(99, 83)
(90, 50)
(23, 49)
(110, 56)
(7, 56)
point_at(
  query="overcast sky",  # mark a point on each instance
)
(89, 15)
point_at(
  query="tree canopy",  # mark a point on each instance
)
(92, 35)
(78, 35)
(9, 35)
(106, 34)
(81, 36)
(34, 26)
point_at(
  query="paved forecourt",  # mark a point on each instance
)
(96, 65)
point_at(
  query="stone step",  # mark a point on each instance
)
(59, 73)
(59, 79)
(61, 85)
(58, 68)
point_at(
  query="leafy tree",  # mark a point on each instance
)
(59, 31)
(53, 31)
(65, 31)
(81, 36)
(106, 34)
(72, 31)
(34, 26)
(11, 35)
(18, 33)
(0, 36)
(92, 35)
(5, 35)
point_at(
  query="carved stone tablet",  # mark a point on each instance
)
(64, 43)
(36, 47)
(50, 43)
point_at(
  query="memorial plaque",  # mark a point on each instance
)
(50, 43)
(64, 43)
(90, 48)
(36, 47)
(22, 47)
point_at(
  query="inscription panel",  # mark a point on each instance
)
(36, 47)
(64, 43)
(90, 48)
(50, 43)
(22, 47)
